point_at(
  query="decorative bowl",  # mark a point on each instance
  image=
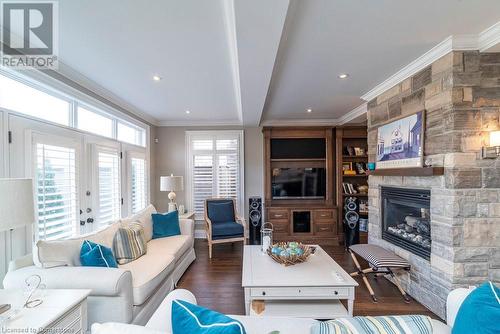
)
(289, 253)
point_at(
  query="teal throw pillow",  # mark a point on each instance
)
(479, 312)
(95, 255)
(194, 319)
(165, 225)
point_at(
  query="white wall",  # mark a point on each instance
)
(169, 157)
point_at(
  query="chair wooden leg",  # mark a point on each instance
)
(363, 275)
(209, 250)
(396, 281)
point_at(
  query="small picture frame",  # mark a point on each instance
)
(350, 151)
(359, 151)
(346, 166)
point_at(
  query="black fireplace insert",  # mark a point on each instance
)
(406, 219)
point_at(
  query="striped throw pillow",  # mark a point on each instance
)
(129, 243)
(416, 324)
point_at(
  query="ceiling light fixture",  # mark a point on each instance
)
(156, 78)
(309, 110)
(343, 75)
(188, 112)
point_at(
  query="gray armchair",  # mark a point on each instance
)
(222, 222)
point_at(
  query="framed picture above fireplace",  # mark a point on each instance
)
(400, 143)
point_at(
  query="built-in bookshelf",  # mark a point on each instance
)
(352, 158)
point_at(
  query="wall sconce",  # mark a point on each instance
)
(492, 151)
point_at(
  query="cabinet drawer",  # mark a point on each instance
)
(324, 214)
(71, 321)
(324, 229)
(298, 292)
(282, 226)
(278, 214)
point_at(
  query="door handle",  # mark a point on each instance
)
(90, 220)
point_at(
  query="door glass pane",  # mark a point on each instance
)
(22, 98)
(94, 122)
(109, 200)
(56, 179)
(138, 184)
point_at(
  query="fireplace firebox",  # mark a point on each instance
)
(406, 219)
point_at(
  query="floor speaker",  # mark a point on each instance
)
(351, 221)
(255, 218)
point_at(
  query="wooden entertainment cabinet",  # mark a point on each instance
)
(309, 220)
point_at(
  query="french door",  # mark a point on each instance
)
(82, 182)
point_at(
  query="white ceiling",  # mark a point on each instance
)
(250, 62)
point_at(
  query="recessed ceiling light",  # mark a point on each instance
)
(188, 112)
(343, 75)
(156, 78)
(309, 110)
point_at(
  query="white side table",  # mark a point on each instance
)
(187, 215)
(62, 311)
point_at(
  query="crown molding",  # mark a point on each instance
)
(482, 41)
(301, 122)
(353, 114)
(415, 66)
(198, 123)
(489, 37)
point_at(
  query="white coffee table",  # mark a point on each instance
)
(312, 289)
(62, 311)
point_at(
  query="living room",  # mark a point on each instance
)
(242, 166)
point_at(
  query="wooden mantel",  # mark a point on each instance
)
(414, 171)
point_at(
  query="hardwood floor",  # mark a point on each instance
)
(216, 283)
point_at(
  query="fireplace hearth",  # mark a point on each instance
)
(406, 219)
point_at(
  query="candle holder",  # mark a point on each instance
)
(266, 235)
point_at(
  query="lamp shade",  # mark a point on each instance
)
(16, 203)
(171, 183)
(495, 138)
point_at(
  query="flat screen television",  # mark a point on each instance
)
(298, 183)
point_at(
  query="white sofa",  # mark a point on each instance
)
(160, 321)
(128, 294)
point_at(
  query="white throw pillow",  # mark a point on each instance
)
(56, 253)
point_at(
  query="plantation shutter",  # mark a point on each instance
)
(138, 191)
(57, 193)
(214, 168)
(109, 195)
(227, 155)
(203, 181)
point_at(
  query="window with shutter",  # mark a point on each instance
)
(108, 178)
(214, 167)
(57, 193)
(138, 191)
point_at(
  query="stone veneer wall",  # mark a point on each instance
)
(460, 94)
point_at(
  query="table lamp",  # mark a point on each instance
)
(16, 205)
(171, 183)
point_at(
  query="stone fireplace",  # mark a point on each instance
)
(460, 95)
(406, 219)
